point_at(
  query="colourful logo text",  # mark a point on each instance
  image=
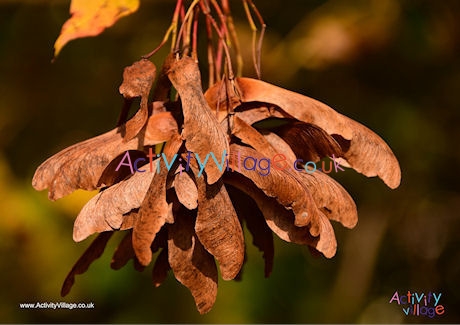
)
(261, 165)
(419, 304)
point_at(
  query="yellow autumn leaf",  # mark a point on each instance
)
(91, 17)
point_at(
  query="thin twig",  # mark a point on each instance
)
(163, 42)
(171, 29)
(262, 32)
(211, 62)
(195, 35)
(219, 56)
(233, 37)
(184, 22)
(253, 27)
(256, 45)
(224, 31)
(177, 11)
(222, 40)
(188, 33)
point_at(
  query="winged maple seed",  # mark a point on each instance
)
(193, 219)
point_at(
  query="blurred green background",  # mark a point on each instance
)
(391, 65)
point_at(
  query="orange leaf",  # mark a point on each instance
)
(90, 18)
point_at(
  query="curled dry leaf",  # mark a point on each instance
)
(81, 165)
(192, 265)
(201, 131)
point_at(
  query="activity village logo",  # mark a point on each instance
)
(419, 304)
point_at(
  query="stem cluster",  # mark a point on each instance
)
(223, 46)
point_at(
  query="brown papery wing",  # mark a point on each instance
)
(368, 153)
(154, 210)
(201, 132)
(106, 210)
(278, 184)
(192, 265)
(137, 82)
(281, 221)
(218, 228)
(81, 165)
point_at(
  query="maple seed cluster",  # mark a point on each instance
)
(190, 222)
(186, 221)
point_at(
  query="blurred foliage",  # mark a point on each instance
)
(392, 65)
